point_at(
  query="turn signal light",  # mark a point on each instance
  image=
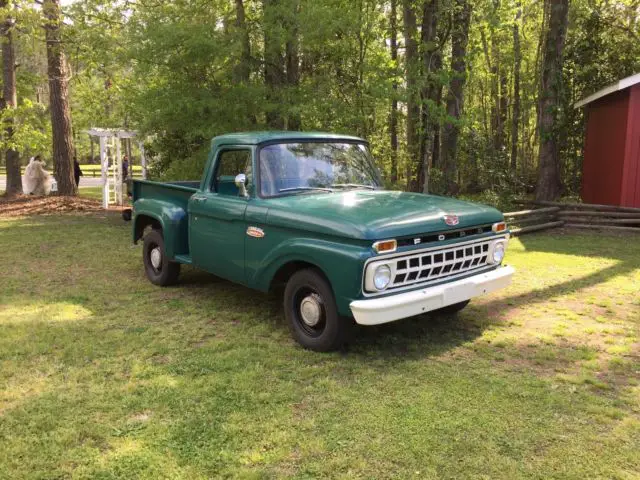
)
(499, 227)
(385, 246)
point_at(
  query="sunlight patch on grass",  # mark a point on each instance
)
(43, 312)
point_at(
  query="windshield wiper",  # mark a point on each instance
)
(293, 189)
(353, 185)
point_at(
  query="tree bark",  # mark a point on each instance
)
(431, 61)
(274, 71)
(292, 62)
(413, 107)
(9, 102)
(59, 99)
(243, 68)
(515, 115)
(549, 184)
(455, 96)
(393, 116)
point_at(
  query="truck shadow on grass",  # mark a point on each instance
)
(433, 334)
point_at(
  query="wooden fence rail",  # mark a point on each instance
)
(572, 215)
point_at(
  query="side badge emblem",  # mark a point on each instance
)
(255, 232)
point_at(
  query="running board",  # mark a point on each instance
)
(185, 259)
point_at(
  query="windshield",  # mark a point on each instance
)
(288, 168)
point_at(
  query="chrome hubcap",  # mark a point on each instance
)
(156, 258)
(311, 309)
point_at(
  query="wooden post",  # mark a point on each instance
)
(143, 161)
(104, 165)
(118, 171)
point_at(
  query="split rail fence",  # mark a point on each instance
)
(542, 215)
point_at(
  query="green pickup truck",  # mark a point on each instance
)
(307, 211)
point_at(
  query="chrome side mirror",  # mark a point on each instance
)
(241, 183)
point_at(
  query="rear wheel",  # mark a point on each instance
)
(159, 270)
(312, 314)
(451, 309)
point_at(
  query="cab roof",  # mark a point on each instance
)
(255, 138)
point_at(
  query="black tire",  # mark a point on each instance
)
(452, 309)
(126, 214)
(331, 330)
(165, 272)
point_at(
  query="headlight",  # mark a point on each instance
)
(382, 277)
(498, 252)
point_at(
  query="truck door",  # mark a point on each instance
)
(217, 217)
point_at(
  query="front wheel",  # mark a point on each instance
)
(311, 312)
(160, 271)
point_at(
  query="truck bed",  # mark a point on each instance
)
(177, 193)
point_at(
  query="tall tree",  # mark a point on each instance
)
(455, 95)
(413, 97)
(57, 71)
(393, 117)
(243, 67)
(292, 61)
(274, 62)
(431, 62)
(549, 181)
(9, 102)
(515, 114)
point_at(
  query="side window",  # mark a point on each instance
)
(230, 164)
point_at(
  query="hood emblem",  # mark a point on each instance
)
(451, 220)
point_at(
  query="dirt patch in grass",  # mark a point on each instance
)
(22, 205)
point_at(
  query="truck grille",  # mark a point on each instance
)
(437, 264)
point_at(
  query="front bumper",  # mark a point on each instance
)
(394, 307)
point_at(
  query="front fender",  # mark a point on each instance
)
(341, 263)
(173, 219)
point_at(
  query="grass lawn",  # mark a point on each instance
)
(94, 193)
(103, 375)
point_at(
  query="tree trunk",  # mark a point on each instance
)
(549, 184)
(243, 68)
(413, 107)
(431, 62)
(455, 96)
(9, 102)
(292, 62)
(274, 72)
(393, 117)
(515, 116)
(59, 100)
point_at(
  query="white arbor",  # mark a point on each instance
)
(110, 141)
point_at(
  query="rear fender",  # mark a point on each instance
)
(173, 220)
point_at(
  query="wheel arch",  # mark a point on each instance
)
(289, 267)
(142, 221)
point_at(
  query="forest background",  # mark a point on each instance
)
(455, 97)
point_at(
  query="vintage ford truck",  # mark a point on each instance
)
(307, 211)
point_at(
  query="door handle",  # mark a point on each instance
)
(199, 198)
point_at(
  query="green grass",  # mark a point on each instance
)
(103, 375)
(94, 193)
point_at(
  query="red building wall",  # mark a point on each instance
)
(605, 149)
(631, 171)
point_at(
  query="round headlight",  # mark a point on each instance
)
(382, 277)
(498, 252)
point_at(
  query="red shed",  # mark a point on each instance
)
(611, 166)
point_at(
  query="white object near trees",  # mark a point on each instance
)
(111, 162)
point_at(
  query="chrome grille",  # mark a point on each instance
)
(440, 263)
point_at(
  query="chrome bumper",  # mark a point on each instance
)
(394, 307)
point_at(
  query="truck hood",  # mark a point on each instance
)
(375, 215)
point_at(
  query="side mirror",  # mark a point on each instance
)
(241, 183)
